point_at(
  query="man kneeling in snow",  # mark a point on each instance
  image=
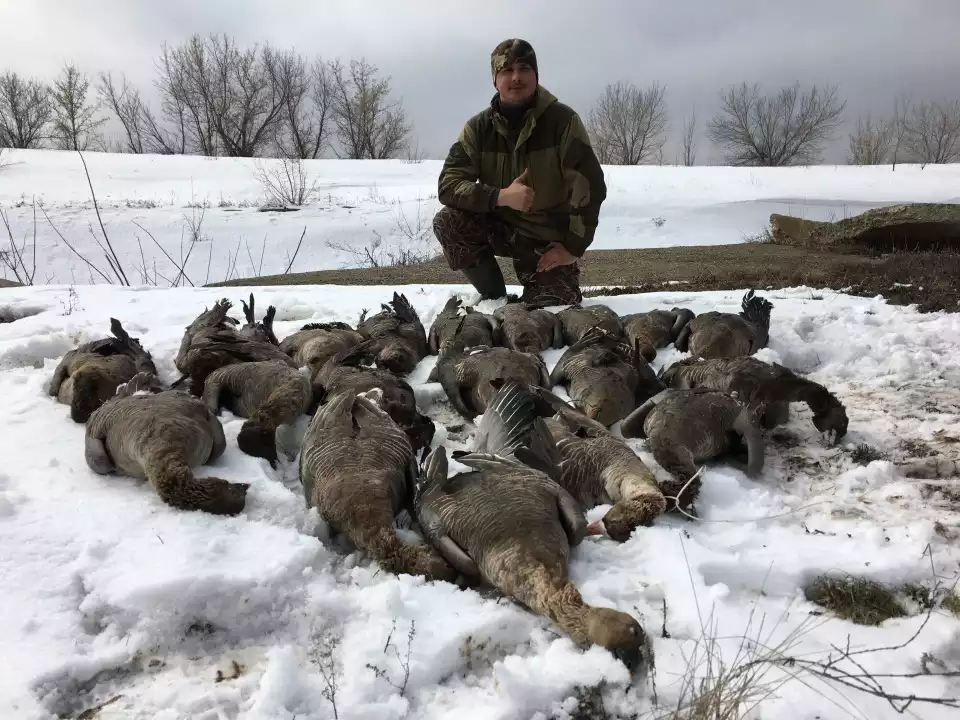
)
(521, 181)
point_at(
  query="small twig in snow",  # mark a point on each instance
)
(74, 250)
(174, 262)
(96, 207)
(296, 251)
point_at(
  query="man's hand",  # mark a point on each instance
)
(517, 195)
(554, 257)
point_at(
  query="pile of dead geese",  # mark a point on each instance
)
(537, 462)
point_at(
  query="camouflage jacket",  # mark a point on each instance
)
(564, 172)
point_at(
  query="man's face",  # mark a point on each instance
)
(516, 83)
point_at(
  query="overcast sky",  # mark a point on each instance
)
(437, 51)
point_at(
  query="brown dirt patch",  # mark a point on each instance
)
(931, 280)
(910, 227)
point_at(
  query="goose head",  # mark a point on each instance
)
(620, 634)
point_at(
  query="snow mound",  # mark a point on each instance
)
(114, 600)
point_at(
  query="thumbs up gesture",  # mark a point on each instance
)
(517, 195)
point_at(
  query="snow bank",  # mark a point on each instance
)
(358, 201)
(108, 594)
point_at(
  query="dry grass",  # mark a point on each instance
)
(931, 280)
(952, 603)
(714, 688)
(859, 600)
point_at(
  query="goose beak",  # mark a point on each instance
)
(596, 528)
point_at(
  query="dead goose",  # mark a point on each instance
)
(268, 393)
(89, 375)
(342, 373)
(465, 374)
(160, 435)
(599, 468)
(394, 338)
(755, 381)
(528, 330)
(720, 334)
(684, 428)
(262, 331)
(655, 329)
(513, 526)
(212, 341)
(315, 343)
(605, 377)
(469, 325)
(357, 468)
(576, 320)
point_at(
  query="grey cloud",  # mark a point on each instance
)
(438, 52)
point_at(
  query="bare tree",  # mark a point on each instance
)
(785, 129)
(901, 111)
(231, 100)
(220, 99)
(628, 125)
(933, 132)
(304, 128)
(871, 142)
(143, 132)
(75, 122)
(25, 110)
(369, 125)
(688, 139)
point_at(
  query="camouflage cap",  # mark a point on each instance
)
(511, 51)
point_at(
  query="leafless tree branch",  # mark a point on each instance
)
(688, 139)
(628, 125)
(871, 142)
(286, 181)
(368, 124)
(25, 110)
(75, 122)
(784, 129)
(933, 132)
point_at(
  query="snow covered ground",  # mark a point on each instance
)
(109, 596)
(357, 202)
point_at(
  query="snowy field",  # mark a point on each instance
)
(112, 599)
(168, 197)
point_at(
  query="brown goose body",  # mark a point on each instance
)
(466, 376)
(513, 525)
(315, 343)
(598, 468)
(212, 341)
(268, 393)
(88, 376)
(357, 468)
(394, 338)
(604, 377)
(463, 323)
(528, 330)
(722, 335)
(576, 320)
(685, 428)
(655, 329)
(757, 382)
(159, 435)
(397, 397)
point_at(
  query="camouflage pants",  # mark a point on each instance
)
(467, 238)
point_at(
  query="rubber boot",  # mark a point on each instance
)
(487, 278)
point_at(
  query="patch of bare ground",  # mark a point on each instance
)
(929, 279)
